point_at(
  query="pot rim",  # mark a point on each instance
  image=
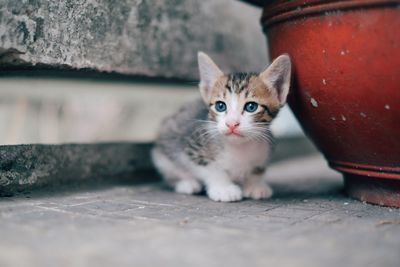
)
(279, 11)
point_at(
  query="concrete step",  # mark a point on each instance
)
(29, 167)
(149, 38)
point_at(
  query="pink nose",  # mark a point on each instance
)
(232, 126)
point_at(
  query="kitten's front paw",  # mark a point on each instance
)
(188, 187)
(257, 191)
(226, 193)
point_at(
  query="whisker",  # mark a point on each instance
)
(205, 132)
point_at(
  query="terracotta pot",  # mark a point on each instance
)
(346, 88)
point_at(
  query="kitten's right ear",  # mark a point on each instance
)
(209, 74)
(277, 77)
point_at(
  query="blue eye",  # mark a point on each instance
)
(220, 106)
(250, 106)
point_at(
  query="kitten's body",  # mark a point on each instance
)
(199, 146)
(189, 158)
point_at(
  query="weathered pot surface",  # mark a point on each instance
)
(346, 87)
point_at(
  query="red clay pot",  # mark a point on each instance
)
(346, 88)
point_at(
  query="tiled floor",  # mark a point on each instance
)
(309, 222)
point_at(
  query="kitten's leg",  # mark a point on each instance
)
(188, 186)
(178, 178)
(219, 186)
(254, 187)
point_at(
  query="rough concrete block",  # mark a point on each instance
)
(149, 38)
(31, 166)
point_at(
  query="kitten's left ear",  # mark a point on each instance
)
(277, 77)
(209, 74)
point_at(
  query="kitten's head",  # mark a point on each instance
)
(242, 105)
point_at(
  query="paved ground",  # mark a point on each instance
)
(309, 222)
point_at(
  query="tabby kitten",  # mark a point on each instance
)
(222, 140)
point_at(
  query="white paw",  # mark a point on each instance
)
(257, 191)
(226, 193)
(188, 187)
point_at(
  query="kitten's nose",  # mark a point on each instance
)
(232, 126)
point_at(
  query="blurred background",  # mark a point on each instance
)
(89, 71)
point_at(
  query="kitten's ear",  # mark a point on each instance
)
(277, 77)
(209, 73)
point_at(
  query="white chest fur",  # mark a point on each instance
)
(239, 160)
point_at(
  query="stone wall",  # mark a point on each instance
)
(135, 37)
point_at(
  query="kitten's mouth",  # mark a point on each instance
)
(233, 134)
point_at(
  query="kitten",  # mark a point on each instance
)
(222, 140)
